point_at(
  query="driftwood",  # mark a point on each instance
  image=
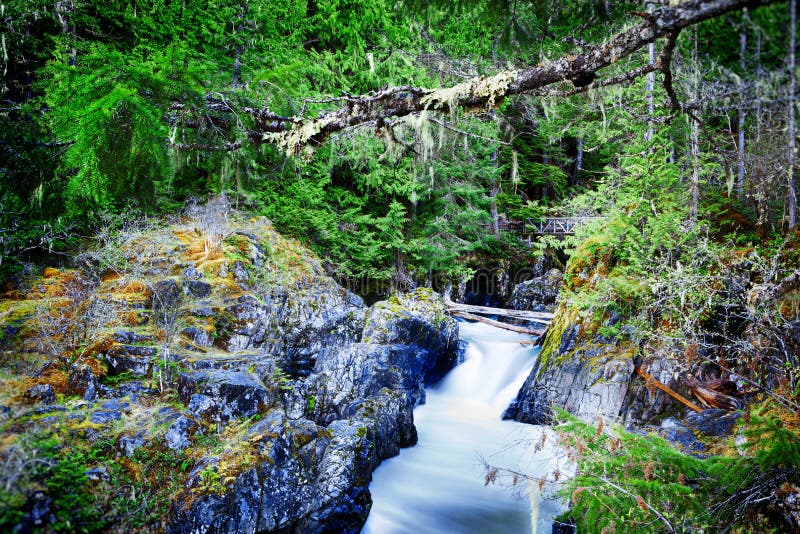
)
(710, 398)
(535, 317)
(675, 395)
(498, 324)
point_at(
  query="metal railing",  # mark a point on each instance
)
(558, 225)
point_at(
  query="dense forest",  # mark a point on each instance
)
(410, 144)
(135, 107)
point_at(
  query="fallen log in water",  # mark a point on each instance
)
(498, 324)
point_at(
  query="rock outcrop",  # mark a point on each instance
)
(239, 386)
(336, 425)
(588, 379)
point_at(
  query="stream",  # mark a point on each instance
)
(438, 486)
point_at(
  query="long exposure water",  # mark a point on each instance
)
(438, 486)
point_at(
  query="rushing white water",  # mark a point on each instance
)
(438, 486)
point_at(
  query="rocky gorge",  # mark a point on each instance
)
(194, 377)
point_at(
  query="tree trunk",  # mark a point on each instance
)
(651, 84)
(578, 162)
(740, 132)
(791, 156)
(694, 142)
(237, 62)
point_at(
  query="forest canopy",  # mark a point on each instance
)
(134, 107)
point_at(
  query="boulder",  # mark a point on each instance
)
(41, 392)
(537, 294)
(237, 394)
(179, 434)
(196, 288)
(134, 358)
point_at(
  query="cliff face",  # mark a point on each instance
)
(214, 378)
(590, 353)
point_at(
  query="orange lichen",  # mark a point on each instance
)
(132, 318)
(110, 276)
(50, 272)
(99, 347)
(135, 287)
(53, 375)
(99, 369)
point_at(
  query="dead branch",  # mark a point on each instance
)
(488, 92)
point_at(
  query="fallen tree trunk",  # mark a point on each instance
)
(294, 134)
(709, 397)
(498, 324)
(534, 317)
(651, 380)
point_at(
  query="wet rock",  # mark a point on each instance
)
(418, 319)
(361, 371)
(256, 253)
(108, 412)
(563, 528)
(129, 337)
(38, 511)
(676, 432)
(82, 381)
(243, 324)
(715, 423)
(134, 389)
(49, 409)
(537, 294)
(179, 433)
(166, 294)
(309, 478)
(343, 497)
(254, 362)
(272, 496)
(41, 392)
(202, 406)
(238, 394)
(166, 415)
(588, 382)
(96, 474)
(203, 310)
(240, 272)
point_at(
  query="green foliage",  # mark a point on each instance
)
(642, 483)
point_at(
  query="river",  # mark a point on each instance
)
(438, 486)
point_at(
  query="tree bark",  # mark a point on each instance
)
(651, 85)
(379, 108)
(694, 141)
(741, 114)
(791, 156)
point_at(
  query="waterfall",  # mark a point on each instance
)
(439, 484)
